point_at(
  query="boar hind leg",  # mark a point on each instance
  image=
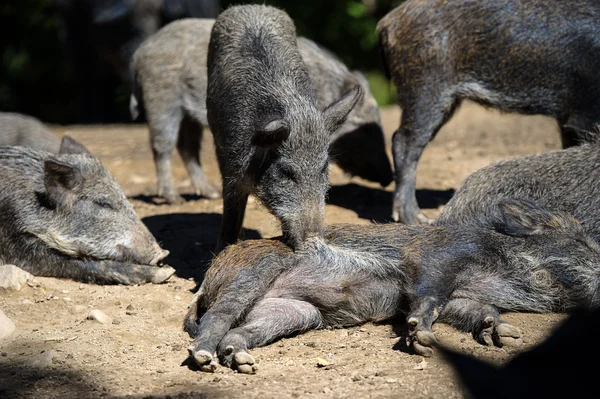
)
(189, 144)
(421, 121)
(269, 320)
(482, 320)
(424, 312)
(164, 130)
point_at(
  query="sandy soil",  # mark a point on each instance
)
(57, 353)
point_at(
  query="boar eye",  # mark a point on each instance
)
(289, 173)
(105, 204)
(325, 168)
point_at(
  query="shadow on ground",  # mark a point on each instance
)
(156, 200)
(22, 380)
(191, 238)
(376, 204)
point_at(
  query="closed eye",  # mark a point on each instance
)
(289, 173)
(325, 168)
(104, 204)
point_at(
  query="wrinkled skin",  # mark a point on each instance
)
(169, 88)
(278, 147)
(498, 53)
(65, 216)
(258, 291)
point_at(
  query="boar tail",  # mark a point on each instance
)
(191, 323)
(381, 45)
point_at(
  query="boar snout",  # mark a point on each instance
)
(144, 249)
(296, 234)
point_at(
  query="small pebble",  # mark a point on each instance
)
(100, 317)
(44, 359)
(7, 327)
(78, 309)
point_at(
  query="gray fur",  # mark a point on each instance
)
(64, 215)
(566, 180)
(525, 56)
(270, 137)
(169, 87)
(535, 261)
(26, 131)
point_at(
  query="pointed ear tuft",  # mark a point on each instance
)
(272, 134)
(521, 217)
(69, 145)
(60, 179)
(336, 113)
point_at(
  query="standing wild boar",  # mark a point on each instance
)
(525, 56)
(26, 131)
(271, 138)
(169, 88)
(258, 291)
(64, 215)
(565, 180)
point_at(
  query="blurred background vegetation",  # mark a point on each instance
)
(36, 79)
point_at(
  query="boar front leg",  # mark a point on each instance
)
(189, 144)
(270, 319)
(424, 312)
(112, 272)
(234, 208)
(482, 320)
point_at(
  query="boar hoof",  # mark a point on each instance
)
(210, 192)
(487, 328)
(424, 220)
(174, 199)
(423, 343)
(204, 360)
(505, 334)
(162, 274)
(243, 362)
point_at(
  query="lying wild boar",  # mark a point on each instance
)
(169, 88)
(26, 131)
(271, 138)
(64, 215)
(525, 56)
(565, 180)
(258, 291)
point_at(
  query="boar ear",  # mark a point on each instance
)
(520, 217)
(60, 179)
(477, 376)
(336, 113)
(272, 134)
(69, 145)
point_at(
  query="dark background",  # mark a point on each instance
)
(37, 77)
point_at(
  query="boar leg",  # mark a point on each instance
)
(424, 312)
(482, 320)
(189, 145)
(164, 130)
(421, 120)
(112, 272)
(270, 319)
(579, 128)
(234, 208)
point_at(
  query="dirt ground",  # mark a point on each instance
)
(57, 353)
